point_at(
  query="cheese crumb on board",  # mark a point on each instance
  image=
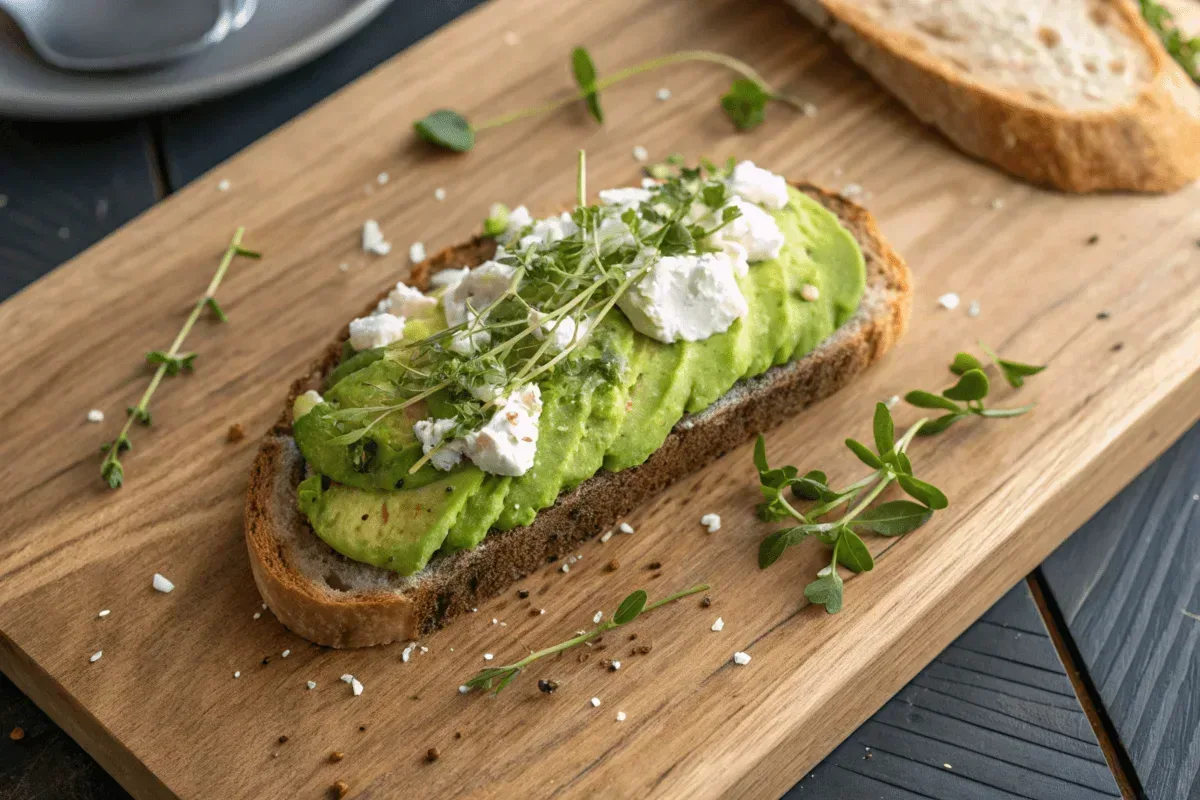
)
(719, 625)
(95, 415)
(161, 584)
(948, 301)
(96, 656)
(741, 659)
(595, 702)
(712, 522)
(372, 239)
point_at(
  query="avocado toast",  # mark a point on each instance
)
(359, 538)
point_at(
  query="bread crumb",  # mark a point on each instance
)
(340, 789)
(236, 433)
(17, 734)
(336, 756)
(433, 754)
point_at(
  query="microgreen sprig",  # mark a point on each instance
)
(889, 462)
(169, 363)
(745, 103)
(496, 678)
(1184, 49)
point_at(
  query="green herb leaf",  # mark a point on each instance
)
(447, 129)
(826, 591)
(630, 607)
(894, 518)
(973, 385)
(745, 103)
(930, 400)
(864, 454)
(174, 364)
(772, 547)
(903, 465)
(936, 426)
(813, 486)
(138, 414)
(927, 493)
(246, 253)
(965, 362)
(885, 430)
(852, 553)
(584, 70)
(112, 473)
(760, 455)
(1185, 50)
(211, 302)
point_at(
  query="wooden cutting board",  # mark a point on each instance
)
(162, 709)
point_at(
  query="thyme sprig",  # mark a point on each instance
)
(745, 102)
(169, 363)
(890, 464)
(574, 281)
(495, 679)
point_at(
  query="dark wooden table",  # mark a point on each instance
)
(1082, 682)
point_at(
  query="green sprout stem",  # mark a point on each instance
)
(111, 463)
(680, 57)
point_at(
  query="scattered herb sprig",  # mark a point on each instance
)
(745, 103)
(889, 463)
(169, 363)
(1184, 49)
(496, 678)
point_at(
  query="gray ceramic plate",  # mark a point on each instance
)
(282, 34)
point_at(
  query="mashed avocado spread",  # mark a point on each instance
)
(608, 401)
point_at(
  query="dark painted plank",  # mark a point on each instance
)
(63, 188)
(196, 139)
(1121, 584)
(994, 717)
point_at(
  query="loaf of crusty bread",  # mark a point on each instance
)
(332, 600)
(1074, 94)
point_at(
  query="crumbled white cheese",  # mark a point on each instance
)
(382, 178)
(685, 298)
(759, 185)
(741, 659)
(347, 678)
(237, 674)
(377, 330)
(478, 289)
(95, 415)
(372, 239)
(562, 332)
(545, 231)
(712, 522)
(343, 267)
(825, 571)
(439, 194)
(973, 309)
(224, 185)
(104, 613)
(257, 614)
(626, 197)
(640, 153)
(615, 665)
(719, 625)
(598, 616)
(565, 568)
(620, 716)
(892, 401)
(595, 702)
(464, 689)
(407, 303)
(755, 233)
(604, 537)
(416, 252)
(356, 687)
(625, 527)
(467, 344)
(810, 293)
(518, 220)
(430, 433)
(488, 656)
(448, 278)
(809, 109)
(948, 301)
(997, 203)
(311, 685)
(663, 94)
(507, 444)
(96, 656)
(161, 583)
(852, 191)
(286, 653)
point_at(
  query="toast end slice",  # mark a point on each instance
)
(334, 601)
(1150, 143)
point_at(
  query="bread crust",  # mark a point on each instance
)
(1149, 145)
(402, 608)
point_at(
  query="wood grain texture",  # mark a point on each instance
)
(698, 726)
(197, 138)
(994, 716)
(1122, 584)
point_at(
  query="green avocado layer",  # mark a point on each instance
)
(611, 407)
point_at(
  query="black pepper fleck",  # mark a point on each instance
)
(706, 602)
(522, 593)
(283, 739)
(547, 687)
(654, 565)
(1095, 237)
(1103, 315)
(1118, 346)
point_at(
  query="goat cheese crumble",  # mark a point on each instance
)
(372, 239)
(506, 445)
(685, 298)
(377, 330)
(759, 185)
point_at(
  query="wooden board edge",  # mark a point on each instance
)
(79, 723)
(1131, 452)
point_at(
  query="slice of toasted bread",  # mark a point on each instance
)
(334, 601)
(1074, 94)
